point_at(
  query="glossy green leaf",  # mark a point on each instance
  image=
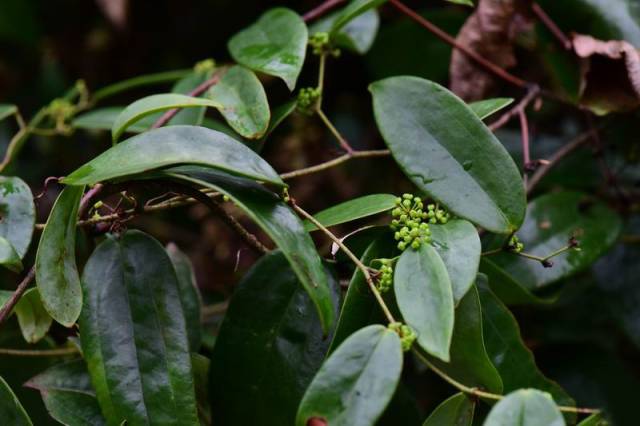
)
(469, 362)
(423, 292)
(354, 209)
(525, 407)
(57, 275)
(7, 110)
(34, 320)
(153, 104)
(192, 116)
(170, 146)
(355, 384)
(279, 222)
(275, 44)
(68, 395)
(594, 420)
(352, 11)
(444, 148)
(189, 295)
(139, 81)
(280, 324)
(133, 333)
(11, 411)
(360, 307)
(458, 244)
(358, 35)
(243, 102)
(5, 295)
(8, 256)
(487, 107)
(104, 118)
(17, 213)
(551, 220)
(454, 411)
(508, 352)
(462, 2)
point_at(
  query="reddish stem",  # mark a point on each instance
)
(551, 26)
(15, 297)
(321, 10)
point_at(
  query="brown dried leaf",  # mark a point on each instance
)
(610, 80)
(490, 31)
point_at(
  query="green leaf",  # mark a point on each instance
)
(11, 411)
(470, 363)
(525, 407)
(242, 102)
(276, 44)
(8, 256)
(279, 222)
(153, 104)
(191, 116)
(355, 384)
(509, 354)
(594, 420)
(279, 324)
(551, 220)
(462, 2)
(354, 209)
(34, 320)
(142, 80)
(133, 333)
(104, 118)
(351, 12)
(487, 107)
(57, 275)
(7, 110)
(68, 395)
(17, 213)
(358, 35)
(423, 292)
(444, 148)
(454, 411)
(189, 295)
(170, 146)
(201, 367)
(360, 307)
(458, 244)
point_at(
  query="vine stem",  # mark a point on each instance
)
(39, 352)
(17, 294)
(353, 257)
(551, 26)
(343, 142)
(488, 395)
(321, 10)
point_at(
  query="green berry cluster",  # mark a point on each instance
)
(406, 333)
(515, 245)
(61, 109)
(408, 223)
(307, 99)
(385, 280)
(321, 44)
(437, 215)
(204, 66)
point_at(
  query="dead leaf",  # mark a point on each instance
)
(490, 31)
(115, 11)
(610, 74)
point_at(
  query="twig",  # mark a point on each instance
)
(532, 93)
(336, 161)
(40, 352)
(341, 140)
(203, 87)
(526, 155)
(551, 26)
(321, 10)
(17, 294)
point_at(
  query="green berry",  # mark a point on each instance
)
(415, 244)
(402, 245)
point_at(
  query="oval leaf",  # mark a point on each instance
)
(282, 326)
(276, 45)
(458, 244)
(352, 11)
(174, 145)
(152, 104)
(485, 108)
(455, 411)
(7, 110)
(33, 319)
(57, 275)
(243, 102)
(103, 119)
(423, 293)
(525, 407)
(279, 222)
(355, 384)
(11, 411)
(356, 208)
(551, 220)
(133, 333)
(444, 148)
(189, 295)
(358, 35)
(192, 116)
(17, 213)
(8, 256)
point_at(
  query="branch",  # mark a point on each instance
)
(40, 352)
(17, 294)
(532, 93)
(551, 26)
(321, 10)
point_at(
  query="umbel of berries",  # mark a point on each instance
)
(385, 280)
(408, 218)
